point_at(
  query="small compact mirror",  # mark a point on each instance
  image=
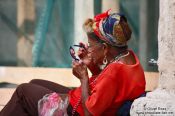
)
(72, 53)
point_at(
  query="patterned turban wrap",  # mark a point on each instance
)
(110, 28)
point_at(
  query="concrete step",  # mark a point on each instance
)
(5, 95)
(18, 75)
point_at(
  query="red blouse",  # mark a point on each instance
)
(117, 83)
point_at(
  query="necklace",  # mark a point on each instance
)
(119, 56)
(76, 106)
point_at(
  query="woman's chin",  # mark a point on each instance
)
(87, 62)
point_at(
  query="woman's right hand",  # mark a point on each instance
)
(82, 51)
(83, 54)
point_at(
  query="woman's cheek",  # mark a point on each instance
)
(88, 60)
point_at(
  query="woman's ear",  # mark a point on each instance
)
(105, 48)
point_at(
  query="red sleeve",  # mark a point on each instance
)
(98, 102)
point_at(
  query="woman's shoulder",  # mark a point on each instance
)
(130, 60)
(111, 69)
(118, 65)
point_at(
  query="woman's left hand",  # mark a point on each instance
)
(79, 69)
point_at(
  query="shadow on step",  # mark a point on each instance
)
(7, 85)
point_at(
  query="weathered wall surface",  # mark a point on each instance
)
(162, 100)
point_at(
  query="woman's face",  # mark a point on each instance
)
(95, 51)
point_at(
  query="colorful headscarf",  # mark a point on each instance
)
(112, 28)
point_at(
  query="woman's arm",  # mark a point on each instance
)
(80, 71)
(85, 94)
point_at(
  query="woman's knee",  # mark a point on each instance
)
(34, 81)
(23, 88)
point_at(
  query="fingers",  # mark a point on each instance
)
(74, 63)
(81, 52)
(82, 44)
(78, 64)
(76, 68)
(79, 69)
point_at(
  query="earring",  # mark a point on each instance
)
(105, 62)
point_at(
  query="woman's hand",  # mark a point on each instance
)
(82, 52)
(79, 69)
